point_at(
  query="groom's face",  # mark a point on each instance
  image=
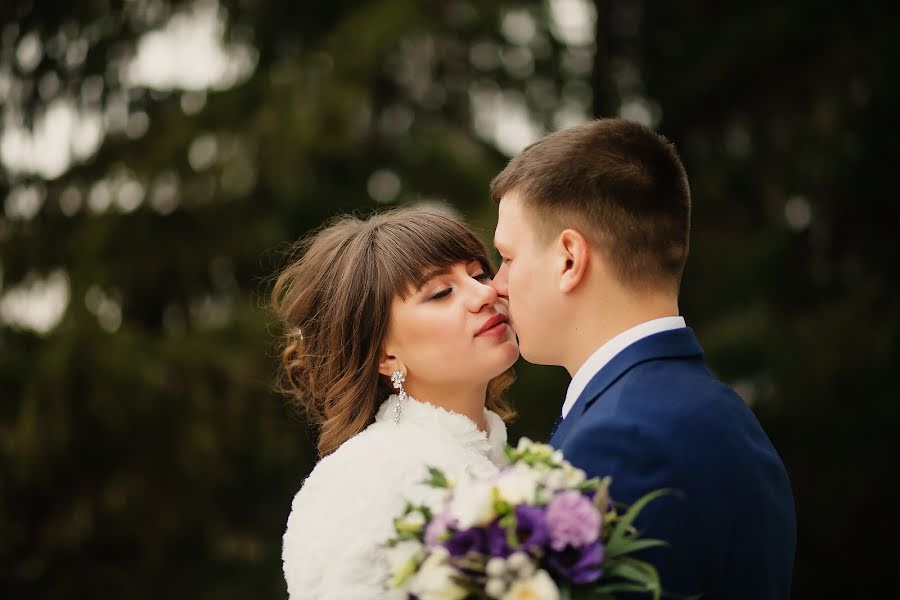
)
(526, 278)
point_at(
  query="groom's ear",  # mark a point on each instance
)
(575, 258)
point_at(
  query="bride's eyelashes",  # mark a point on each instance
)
(446, 292)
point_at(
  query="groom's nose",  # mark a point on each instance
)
(500, 281)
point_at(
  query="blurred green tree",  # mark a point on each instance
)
(143, 451)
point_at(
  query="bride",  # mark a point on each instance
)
(398, 348)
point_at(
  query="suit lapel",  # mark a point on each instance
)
(676, 343)
(555, 426)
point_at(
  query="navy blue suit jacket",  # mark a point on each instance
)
(655, 417)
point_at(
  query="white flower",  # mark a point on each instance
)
(519, 485)
(574, 477)
(521, 564)
(396, 594)
(544, 451)
(472, 504)
(411, 523)
(524, 444)
(495, 587)
(537, 587)
(434, 580)
(435, 499)
(403, 558)
(495, 567)
(555, 480)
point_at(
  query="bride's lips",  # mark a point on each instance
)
(491, 323)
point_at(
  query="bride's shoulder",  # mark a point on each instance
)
(340, 515)
(376, 453)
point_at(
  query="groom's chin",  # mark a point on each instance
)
(534, 357)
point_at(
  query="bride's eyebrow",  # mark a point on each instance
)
(436, 272)
(429, 275)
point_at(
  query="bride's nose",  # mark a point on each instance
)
(482, 294)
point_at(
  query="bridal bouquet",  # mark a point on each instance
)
(536, 530)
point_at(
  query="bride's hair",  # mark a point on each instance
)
(334, 301)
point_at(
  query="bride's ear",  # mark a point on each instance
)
(575, 257)
(388, 364)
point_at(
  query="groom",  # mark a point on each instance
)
(593, 231)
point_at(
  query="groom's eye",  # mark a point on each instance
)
(482, 276)
(442, 293)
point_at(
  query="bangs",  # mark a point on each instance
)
(420, 247)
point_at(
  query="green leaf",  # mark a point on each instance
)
(509, 522)
(601, 498)
(610, 589)
(436, 479)
(638, 571)
(625, 521)
(630, 568)
(627, 546)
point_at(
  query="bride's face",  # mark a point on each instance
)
(452, 330)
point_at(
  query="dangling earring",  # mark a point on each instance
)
(397, 378)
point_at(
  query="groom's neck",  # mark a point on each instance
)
(595, 320)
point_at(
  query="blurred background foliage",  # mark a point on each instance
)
(158, 156)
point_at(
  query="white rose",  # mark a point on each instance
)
(519, 485)
(472, 504)
(537, 587)
(403, 558)
(434, 580)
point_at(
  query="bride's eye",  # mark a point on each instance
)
(482, 276)
(442, 293)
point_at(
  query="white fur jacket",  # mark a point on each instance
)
(344, 512)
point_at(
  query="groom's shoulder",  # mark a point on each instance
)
(670, 397)
(675, 385)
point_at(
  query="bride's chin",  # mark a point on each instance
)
(500, 357)
(512, 353)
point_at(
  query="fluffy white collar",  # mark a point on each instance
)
(421, 415)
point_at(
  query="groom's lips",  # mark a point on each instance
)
(492, 322)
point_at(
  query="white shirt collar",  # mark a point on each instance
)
(609, 350)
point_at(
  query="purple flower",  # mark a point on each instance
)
(496, 541)
(578, 565)
(531, 532)
(572, 520)
(469, 540)
(531, 527)
(438, 526)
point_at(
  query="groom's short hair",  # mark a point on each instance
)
(619, 184)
